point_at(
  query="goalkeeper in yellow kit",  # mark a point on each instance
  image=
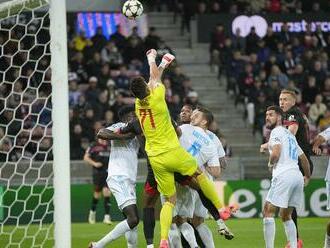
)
(162, 145)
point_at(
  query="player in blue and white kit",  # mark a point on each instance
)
(287, 187)
(122, 171)
(197, 140)
(320, 139)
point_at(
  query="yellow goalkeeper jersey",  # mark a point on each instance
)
(156, 122)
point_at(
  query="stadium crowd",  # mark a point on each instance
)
(257, 69)
(99, 75)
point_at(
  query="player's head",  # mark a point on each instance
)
(126, 113)
(201, 117)
(102, 142)
(274, 116)
(185, 113)
(139, 88)
(287, 99)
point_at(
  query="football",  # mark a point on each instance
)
(132, 9)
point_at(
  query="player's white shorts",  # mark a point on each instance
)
(287, 190)
(123, 189)
(327, 184)
(184, 202)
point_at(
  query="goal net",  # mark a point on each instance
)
(26, 125)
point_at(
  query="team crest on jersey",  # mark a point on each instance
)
(144, 102)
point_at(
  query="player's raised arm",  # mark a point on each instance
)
(157, 72)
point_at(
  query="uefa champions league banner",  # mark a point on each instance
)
(251, 194)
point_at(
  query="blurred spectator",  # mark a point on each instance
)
(80, 42)
(175, 106)
(88, 125)
(252, 41)
(310, 91)
(239, 42)
(134, 52)
(111, 55)
(326, 92)
(277, 75)
(192, 99)
(99, 39)
(76, 150)
(118, 39)
(317, 109)
(92, 91)
(94, 65)
(122, 80)
(324, 122)
(152, 40)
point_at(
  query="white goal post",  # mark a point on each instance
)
(34, 125)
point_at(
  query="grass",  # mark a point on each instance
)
(248, 234)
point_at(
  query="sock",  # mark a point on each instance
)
(165, 219)
(149, 224)
(115, 233)
(189, 234)
(208, 189)
(131, 238)
(106, 205)
(294, 217)
(269, 232)
(150, 246)
(206, 235)
(174, 237)
(94, 203)
(327, 241)
(209, 205)
(291, 232)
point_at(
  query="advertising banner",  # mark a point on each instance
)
(296, 23)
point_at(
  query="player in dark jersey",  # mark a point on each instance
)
(297, 123)
(97, 155)
(151, 193)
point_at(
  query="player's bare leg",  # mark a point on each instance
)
(106, 198)
(327, 237)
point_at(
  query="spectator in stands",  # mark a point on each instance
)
(300, 104)
(118, 39)
(122, 80)
(175, 106)
(98, 39)
(188, 10)
(299, 76)
(326, 92)
(94, 65)
(101, 106)
(238, 42)
(108, 118)
(81, 42)
(317, 109)
(152, 40)
(134, 52)
(192, 99)
(92, 91)
(76, 150)
(277, 75)
(310, 91)
(324, 122)
(135, 35)
(74, 93)
(252, 41)
(78, 66)
(110, 54)
(260, 110)
(319, 74)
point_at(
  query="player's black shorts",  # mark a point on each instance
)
(311, 166)
(100, 179)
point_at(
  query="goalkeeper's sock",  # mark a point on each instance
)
(94, 204)
(107, 205)
(208, 189)
(269, 232)
(165, 220)
(118, 231)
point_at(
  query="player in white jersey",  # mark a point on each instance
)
(197, 140)
(286, 191)
(320, 139)
(121, 180)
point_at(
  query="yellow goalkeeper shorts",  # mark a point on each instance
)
(165, 164)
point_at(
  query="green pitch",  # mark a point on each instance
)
(248, 234)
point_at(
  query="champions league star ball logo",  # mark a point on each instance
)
(245, 23)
